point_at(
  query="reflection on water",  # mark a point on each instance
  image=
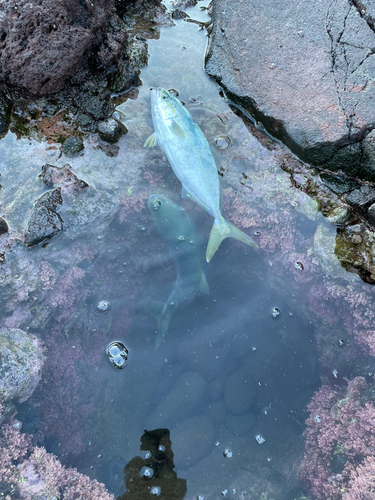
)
(234, 374)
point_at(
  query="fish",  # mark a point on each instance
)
(192, 161)
(184, 241)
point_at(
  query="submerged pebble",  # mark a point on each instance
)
(222, 142)
(117, 354)
(72, 146)
(3, 226)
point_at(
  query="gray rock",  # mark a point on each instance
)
(240, 424)
(360, 198)
(111, 130)
(302, 71)
(86, 122)
(44, 222)
(3, 226)
(368, 157)
(192, 440)
(61, 176)
(338, 185)
(371, 214)
(182, 401)
(240, 391)
(5, 109)
(72, 146)
(21, 362)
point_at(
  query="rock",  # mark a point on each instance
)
(192, 440)
(181, 402)
(111, 130)
(184, 4)
(86, 122)
(368, 157)
(21, 362)
(179, 14)
(61, 176)
(44, 222)
(371, 214)
(362, 197)
(3, 226)
(94, 101)
(240, 391)
(240, 424)
(5, 109)
(302, 71)
(42, 44)
(72, 146)
(338, 185)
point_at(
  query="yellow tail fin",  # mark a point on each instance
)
(223, 229)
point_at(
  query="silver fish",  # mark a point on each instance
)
(192, 161)
(184, 242)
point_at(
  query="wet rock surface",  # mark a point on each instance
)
(305, 73)
(21, 362)
(45, 43)
(72, 146)
(53, 176)
(111, 130)
(3, 226)
(45, 222)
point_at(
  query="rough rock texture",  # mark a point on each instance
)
(62, 176)
(306, 71)
(44, 222)
(21, 362)
(43, 43)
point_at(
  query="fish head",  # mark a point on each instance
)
(164, 105)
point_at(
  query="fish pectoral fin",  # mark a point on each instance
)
(203, 285)
(177, 130)
(151, 141)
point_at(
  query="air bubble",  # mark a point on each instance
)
(117, 354)
(155, 490)
(275, 312)
(317, 419)
(181, 238)
(161, 447)
(222, 142)
(174, 92)
(259, 439)
(103, 306)
(228, 454)
(299, 266)
(146, 472)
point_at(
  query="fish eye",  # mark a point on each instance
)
(164, 96)
(156, 204)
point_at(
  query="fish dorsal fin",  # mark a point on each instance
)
(177, 130)
(186, 194)
(203, 285)
(151, 141)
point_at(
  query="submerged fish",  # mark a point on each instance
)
(192, 161)
(183, 240)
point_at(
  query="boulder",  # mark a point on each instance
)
(304, 70)
(21, 362)
(43, 44)
(45, 222)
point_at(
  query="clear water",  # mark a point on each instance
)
(231, 368)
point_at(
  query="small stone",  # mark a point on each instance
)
(72, 146)
(371, 214)
(44, 222)
(111, 130)
(3, 226)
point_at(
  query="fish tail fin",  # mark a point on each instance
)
(223, 229)
(163, 324)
